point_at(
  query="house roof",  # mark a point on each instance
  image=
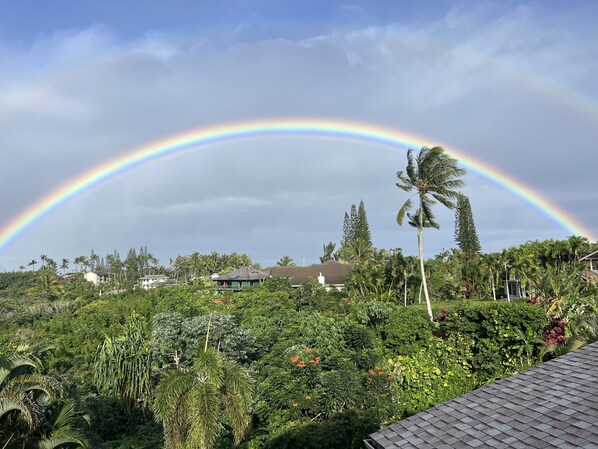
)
(243, 274)
(153, 277)
(335, 273)
(591, 256)
(552, 405)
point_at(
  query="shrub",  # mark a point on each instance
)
(407, 330)
(346, 430)
(496, 328)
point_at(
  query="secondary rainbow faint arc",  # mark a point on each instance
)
(272, 127)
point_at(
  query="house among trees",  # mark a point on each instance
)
(513, 289)
(552, 405)
(590, 275)
(155, 280)
(331, 274)
(240, 278)
(98, 277)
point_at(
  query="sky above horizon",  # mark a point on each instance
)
(512, 84)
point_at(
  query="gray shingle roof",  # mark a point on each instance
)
(243, 274)
(552, 405)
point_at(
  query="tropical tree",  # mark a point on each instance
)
(46, 284)
(64, 265)
(285, 261)
(434, 177)
(31, 408)
(328, 252)
(194, 404)
(466, 235)
(81, 261)
(23, 390)
(123, 365)
(32, 264)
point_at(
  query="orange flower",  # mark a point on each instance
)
(344, 299)
(301, 365)
(312, 361)
(308, 397)
(372, 372)
(295, 404)
(295, 359)
(308, 350)
(389, 377)
(317, 359)
(369, 379)
(380, 373)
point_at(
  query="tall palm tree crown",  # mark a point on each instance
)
(434, 177)
(194, 403)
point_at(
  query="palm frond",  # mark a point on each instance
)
(204, 415)
(172, 387)
(403, 210)
(20, 404)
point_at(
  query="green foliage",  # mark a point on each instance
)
(15, 281)
(176, 340)
(466, 235)
(373, 313)
(346, 430)
(123, 365)
(433, 374)
(497, 329)
(407, 330)
(194, 403)
(356, 243)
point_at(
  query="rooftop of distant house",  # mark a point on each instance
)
(243, 274)
(335, 273)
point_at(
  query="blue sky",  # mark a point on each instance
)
(514, 84)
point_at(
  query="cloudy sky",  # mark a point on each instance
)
(513, 84)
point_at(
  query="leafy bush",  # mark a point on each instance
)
(408, 330)
(498, 329)
(346, 430)
(434, 374)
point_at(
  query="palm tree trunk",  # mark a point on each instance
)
(420, 244)
(405, 290)
(493, 286)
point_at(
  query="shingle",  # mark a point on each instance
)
(552, 405)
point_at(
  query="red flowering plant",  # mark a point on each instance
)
(554, 334)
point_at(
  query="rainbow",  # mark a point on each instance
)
(338, 129)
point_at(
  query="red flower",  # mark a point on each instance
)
(308, 350)
(295, 404)
(295, 359)
(301, 365)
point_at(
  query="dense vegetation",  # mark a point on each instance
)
(275, 367)
(321, 369)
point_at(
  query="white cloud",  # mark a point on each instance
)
(447, 80)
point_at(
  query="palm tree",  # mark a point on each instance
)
(23, 389)
(193, 404)
(46, 284)
(27, 397)
(434, 177)
(285, 261)
(80, 260)
(62, 428)
(64, 265)
(32, 264)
